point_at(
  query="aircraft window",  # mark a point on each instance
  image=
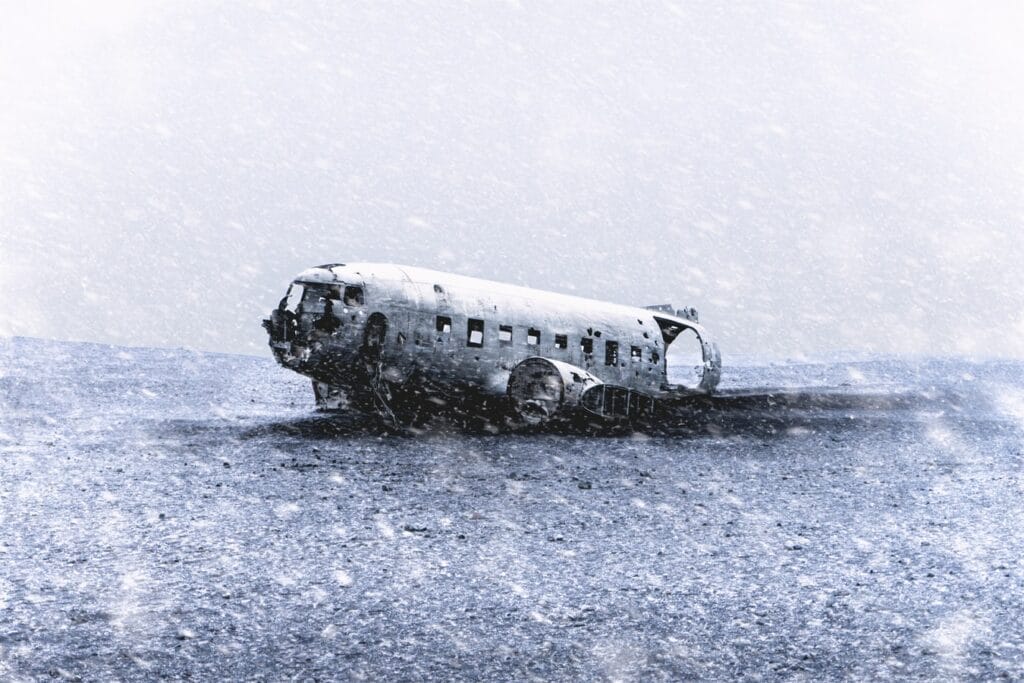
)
(313, 294)
(561, 341)
(634, 353)
(655, 357)
(438, 289)
(505, 334)
(294, 296)
(611, 353)
(353, 295)
(400, 339)
(533, 336)
(587, 345)
(443, 324)
(475, 332)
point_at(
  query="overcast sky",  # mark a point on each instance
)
(813, 177)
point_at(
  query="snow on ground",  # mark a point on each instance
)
(171, 513)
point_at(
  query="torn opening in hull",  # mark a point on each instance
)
(684, 360)
(709, 367)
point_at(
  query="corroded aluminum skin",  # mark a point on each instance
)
(411, 298)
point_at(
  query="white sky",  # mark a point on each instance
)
(813, 177)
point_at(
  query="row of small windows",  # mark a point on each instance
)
(532, 336)
(475, 339)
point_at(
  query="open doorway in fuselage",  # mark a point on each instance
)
(684, 360)
(374, 335)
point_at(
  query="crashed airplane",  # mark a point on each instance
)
(408, 342)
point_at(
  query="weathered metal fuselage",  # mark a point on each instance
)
(366, 333)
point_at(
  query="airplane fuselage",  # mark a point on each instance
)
(351, 327)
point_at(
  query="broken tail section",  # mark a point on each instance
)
(673, 323)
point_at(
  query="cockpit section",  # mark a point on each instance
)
(316, 304)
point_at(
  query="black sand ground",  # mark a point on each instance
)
(173, 514)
